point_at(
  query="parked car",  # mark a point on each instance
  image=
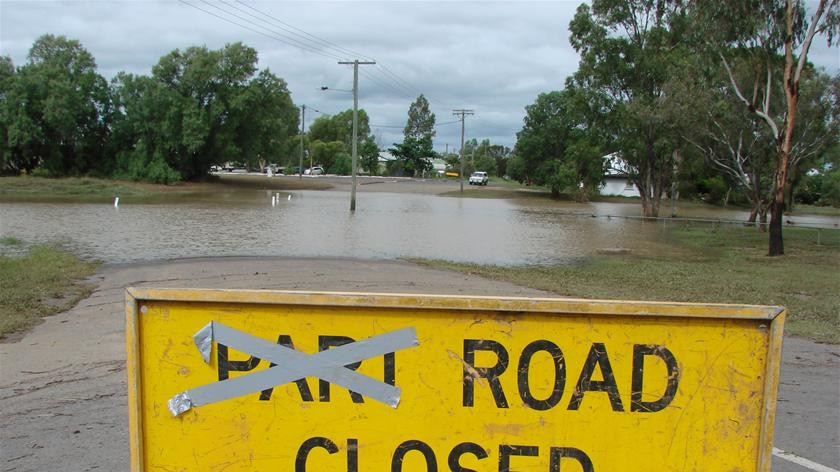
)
(479, 178)
(232, 166)
(275, 169)
(317, 170)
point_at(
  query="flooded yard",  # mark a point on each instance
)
(242, 222)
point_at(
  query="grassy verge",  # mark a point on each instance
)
(43, 281)
(802, 209)
(83, 189)
(90, 190)
(701, 264)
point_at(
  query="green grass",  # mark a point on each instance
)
(10, 241)
(92, 190)
(43, 281)
(84, 189)
(702, 264)
(802, 209)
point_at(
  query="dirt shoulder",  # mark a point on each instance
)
(63, 398)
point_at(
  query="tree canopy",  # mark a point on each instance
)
(421, 120)
(199, 107)
(556, 146)
(415, 154)
(629, 50)
(56, 109)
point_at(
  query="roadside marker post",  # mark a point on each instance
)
(303, 381)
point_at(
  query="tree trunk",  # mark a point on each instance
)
(784, 141)
(675, 190)
(777, 247)
(762, 219)
(753, 215)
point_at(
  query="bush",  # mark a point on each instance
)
(42, 172)
(343, 164)
(830, 188)
(516, 169)
(713, 189)
(486, 164)
(137, 165)
(395, 168)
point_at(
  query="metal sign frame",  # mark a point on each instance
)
(769, 317)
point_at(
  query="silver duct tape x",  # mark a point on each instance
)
(293, 365)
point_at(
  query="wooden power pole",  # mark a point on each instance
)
(355, 64)
(462, 113)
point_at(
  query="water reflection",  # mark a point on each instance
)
(318, 223)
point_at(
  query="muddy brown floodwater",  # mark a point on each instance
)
(319, 224)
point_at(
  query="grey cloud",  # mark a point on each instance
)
(494, 57)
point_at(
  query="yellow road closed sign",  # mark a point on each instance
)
(311, 382)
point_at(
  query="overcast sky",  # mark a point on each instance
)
(494, 58)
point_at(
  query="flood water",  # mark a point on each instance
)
(319, 224)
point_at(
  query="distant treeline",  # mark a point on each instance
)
(199, 107)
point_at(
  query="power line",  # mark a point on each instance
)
(256, 31)
(381, 83)
(387, 75)
(403, 126)
(301, 39)
(292, 38)
(304, 33)
(288, 39)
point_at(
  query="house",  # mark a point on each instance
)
(616, 182)
(384, 158)
(439, 166)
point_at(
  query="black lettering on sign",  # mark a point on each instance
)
(639, 353)
(324, 343)
(597, 356)
(352, 455)
(226, 366)
(389, 376)
(414, 445)
(559, 374)
(460, 450)
(490, 373)
(558, 453)
(310, 444)
(506, 451)
(302, 385)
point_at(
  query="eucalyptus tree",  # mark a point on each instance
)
(369, 156)
(559, 145)
(415, 155)
(331, 135)
(339, 127)
(629, 50)
(421, 120)
(761, 31)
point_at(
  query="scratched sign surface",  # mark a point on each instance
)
(282, 381)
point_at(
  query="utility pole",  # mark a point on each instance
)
(462, 112)
(355, 124)
(302, 126)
